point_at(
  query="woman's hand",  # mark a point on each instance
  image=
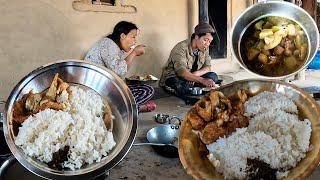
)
(139, 50)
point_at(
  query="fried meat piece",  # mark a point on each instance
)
(20, 118)
(20, 113)
(204, 109)
(51, 92)
(215, 99)
(107, 117)
(226, 117)
(212, 132)
(222, 117)
(197, 123)
(57, 87)
(222, 107)
(238, 102)
(236, 121)
(225, 104)
(238, 108)
(61, 86)
(33, 101)
(242, 95)
(51, 105)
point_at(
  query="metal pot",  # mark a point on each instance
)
(110, 87)
(4, 150)
(11, 169)
(196, 90)
(167, 134)
(275, 8)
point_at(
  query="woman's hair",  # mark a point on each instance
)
(200, 35)
(122, 27)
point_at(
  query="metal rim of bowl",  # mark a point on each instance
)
(310, 56)
(49, 173)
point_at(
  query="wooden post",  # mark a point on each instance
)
(203, 11)
(318, 15)
(311, 7)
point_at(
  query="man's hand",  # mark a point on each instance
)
(207, 82)
(139, 50)
(201, 71)
(191, 83)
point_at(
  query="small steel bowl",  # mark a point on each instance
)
(161, 118)
(196, 90)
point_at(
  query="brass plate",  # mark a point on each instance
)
(198, 165)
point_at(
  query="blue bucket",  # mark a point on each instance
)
(315, 63)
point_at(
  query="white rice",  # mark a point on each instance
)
(44, 133)
(269, 100)
(230, 154)
(279, 124)
(273, 136)
(81, 128)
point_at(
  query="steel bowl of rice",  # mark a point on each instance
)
(252, 129)
(70, 120)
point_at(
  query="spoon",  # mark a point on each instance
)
(152, 144)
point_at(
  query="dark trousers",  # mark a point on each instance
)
(180, 87)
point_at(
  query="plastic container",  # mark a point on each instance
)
(315, 63)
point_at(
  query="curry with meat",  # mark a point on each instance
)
(274, 46)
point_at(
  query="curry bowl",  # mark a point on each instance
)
(275, 52)
(107, 85)
(191, 148)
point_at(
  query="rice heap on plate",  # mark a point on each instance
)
(79, 126)
(275, 136)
